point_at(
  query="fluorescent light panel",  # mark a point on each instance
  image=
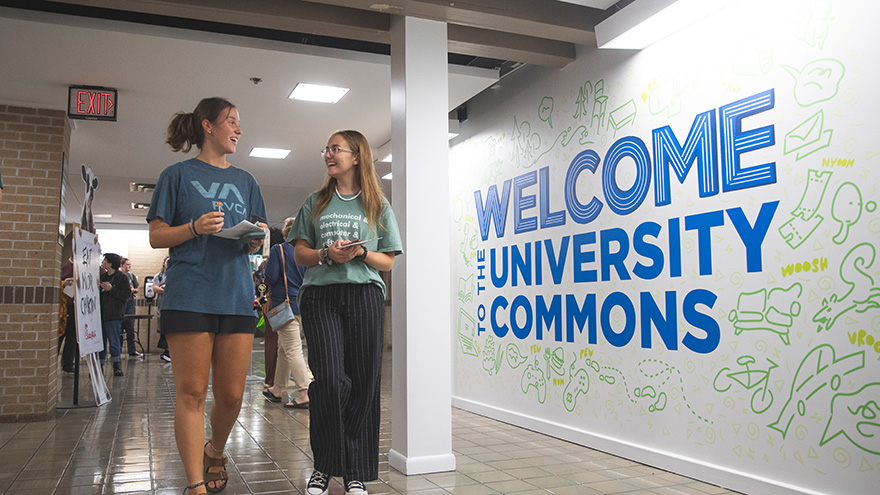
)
(387, 177)
(645, 22)
(273, 153)
(317, 92)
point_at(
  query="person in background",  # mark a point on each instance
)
(115, 289)
(68, 352)
(159, 290)
(270, 339)
(208, 309)
(342, 300)
(130, 308)
(290, 355)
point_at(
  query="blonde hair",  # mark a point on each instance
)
(371, 193)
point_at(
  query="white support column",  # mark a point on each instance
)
(421, 437)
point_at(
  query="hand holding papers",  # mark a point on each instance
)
(244, 231)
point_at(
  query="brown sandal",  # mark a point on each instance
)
(215, 476)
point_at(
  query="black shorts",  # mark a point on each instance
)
(174, 321)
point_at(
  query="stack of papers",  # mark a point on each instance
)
(244, 231)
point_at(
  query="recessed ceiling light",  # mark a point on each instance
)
(103, 215)
(317, 92)
(274, 153)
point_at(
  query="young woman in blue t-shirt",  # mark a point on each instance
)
(342, 301)
(207, 310)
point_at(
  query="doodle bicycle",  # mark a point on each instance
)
(762, 397)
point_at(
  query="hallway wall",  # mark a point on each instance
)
(670, 254)
(32, 146)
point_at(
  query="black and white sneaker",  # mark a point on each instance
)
(355, 487)
(166, 357)
(318, 483)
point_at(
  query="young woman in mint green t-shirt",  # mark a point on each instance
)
(345, 233)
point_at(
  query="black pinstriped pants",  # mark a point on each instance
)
(343, 324)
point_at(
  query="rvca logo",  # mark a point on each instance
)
(225, 192)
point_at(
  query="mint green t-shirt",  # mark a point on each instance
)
(344, 220)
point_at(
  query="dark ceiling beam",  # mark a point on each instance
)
(549, 19)
(282, 15)
(539, 32)
(505, 46)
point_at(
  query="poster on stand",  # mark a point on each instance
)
(86, 266)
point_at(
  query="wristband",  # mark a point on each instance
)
(363, 256)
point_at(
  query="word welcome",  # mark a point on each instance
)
(700, 146)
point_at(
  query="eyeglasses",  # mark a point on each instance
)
(332, 150)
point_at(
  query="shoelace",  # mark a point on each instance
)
(353, 485)
(318, 480)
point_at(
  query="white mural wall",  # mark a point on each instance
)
(672, 254)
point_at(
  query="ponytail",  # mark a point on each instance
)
(185, 129)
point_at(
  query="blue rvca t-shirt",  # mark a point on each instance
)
(207, 274)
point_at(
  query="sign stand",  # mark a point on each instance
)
(76, 403)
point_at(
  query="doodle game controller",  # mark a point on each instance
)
(533, 377)
(579, 384)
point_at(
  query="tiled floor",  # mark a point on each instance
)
(127, 446)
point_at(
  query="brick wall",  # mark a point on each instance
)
(32, 144)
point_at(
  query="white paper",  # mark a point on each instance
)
(244, 227)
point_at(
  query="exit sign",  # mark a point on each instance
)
(92, 103)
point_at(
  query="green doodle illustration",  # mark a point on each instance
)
(861, 296)
(532, 377)
(554, 360)
(815, 24)
(622, 116)
(514, 357)
(817, 81)
(466, 331)
(808, 137)
(578, 384)
(773, 311)
(526, 142)
(468, 244)
(805, 219)
(846, 209)
(759, 380)
(666, 96)
(659, 400)
(545, 110)
(856, 416)
(599, 100)
(653, 369)
(465, 291)
(492, 358)
(819, 373)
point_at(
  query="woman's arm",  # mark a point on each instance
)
(304, 255)
(163, 235)
(380, 261)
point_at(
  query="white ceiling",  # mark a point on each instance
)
(159, 71)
